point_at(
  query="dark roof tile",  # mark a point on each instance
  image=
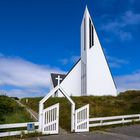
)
(54, 76)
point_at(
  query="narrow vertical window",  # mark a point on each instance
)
(90, 45)
(92, 36)
(84, 34)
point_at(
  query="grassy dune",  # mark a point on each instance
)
(11, 112)
(100, 106)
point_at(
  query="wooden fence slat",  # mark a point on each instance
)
(117, 120)
(16, 125)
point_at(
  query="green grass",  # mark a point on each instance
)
(10, 138)
(100, 106)
(19, 116)
(11, 112)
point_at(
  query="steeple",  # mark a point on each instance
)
(86, 10)
(95, 73)
(87, 32)
(84, 48)
(91, 74)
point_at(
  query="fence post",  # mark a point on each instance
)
(101, 122)
(122, 119)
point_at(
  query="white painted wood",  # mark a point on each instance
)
(51, 120)
(112, 123)
(16, 125)
(41, 106)
(58, 93)
(82, 119)
(102, 121)
(113, 117)
(58, 79)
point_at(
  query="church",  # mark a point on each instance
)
(91, 74)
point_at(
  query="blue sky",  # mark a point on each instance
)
(38, 37)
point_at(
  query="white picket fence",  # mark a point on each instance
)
(93, 122)
(103, 121)
(16, 125)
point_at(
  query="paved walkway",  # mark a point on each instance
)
(119, 133)
(131, 130)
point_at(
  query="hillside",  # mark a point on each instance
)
(100, 106)
(11, 112)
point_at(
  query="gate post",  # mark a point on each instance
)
(72, 117)
(41, 107)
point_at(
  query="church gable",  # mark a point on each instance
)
(57, 78)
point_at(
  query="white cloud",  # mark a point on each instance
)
(64, 61)
(131, 18)
(21, 73)
(26, 92)
(1, 54)
(118, 25)
(128, 82)
(116, 62)
(72, 60)
(124, 35)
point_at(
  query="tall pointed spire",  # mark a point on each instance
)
(96, 77)
(86, 9)
(86, 13)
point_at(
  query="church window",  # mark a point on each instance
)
(91, 34)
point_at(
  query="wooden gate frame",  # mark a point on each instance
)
(51, 123)
(83, 119)
(41, 107)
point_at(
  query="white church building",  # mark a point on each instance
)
(91, 75)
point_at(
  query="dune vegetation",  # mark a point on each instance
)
(100, 106)
(11, 112)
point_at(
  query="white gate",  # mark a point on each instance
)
(51, 119)
(82, 119)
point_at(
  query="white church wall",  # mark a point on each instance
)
(72, 83)
(100, 81)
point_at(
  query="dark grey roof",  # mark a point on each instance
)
(54, 76)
